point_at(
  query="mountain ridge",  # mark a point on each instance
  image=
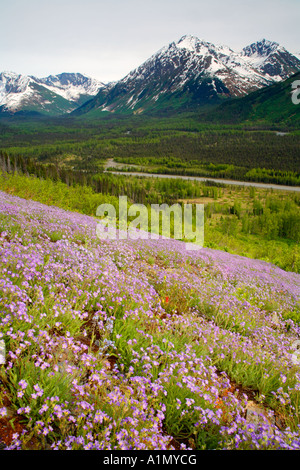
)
(52, 95)
(187, 74)
(193, 72)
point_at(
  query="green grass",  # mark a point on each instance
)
(73, 198)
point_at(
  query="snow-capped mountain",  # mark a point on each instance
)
(271, 59)
(182, 75)
(56, 94)
(193, 72)
(71, 86)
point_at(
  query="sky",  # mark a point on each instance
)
(107, 39)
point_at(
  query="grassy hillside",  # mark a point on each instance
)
(271, 105)
(260, 224)
(140, 344)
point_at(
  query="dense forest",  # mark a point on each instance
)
(181, 145)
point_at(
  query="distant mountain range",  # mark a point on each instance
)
(53, 95)
(192, 73)
(184, 75)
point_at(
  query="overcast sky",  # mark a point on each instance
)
(107, 39)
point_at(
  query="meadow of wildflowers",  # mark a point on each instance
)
(140, 344)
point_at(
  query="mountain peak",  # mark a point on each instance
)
(71, 85)
(189, 42)
(271, 59)
(267, 42)
(264, 47)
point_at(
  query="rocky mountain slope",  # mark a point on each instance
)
(52, 95)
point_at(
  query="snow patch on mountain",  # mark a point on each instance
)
(71, 86)
(14, 89)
